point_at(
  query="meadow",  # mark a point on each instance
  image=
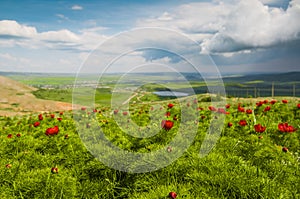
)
(257, 155)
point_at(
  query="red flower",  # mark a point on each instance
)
(9, 136)
(259, 128)
(229, 124)
(285, 149)
(273, 102)
(249, 111)
(170, 105)
(298, 106)
(284, 101)
(59, 119)
(54, 170)
(266, 101)
(41, 117)
(95, 111)
(52, 131)
(172, 195)
(227, 106)
(211, 108)
(18, 135)
(259, 103)
(267, 108)
(284, 127)
(61, 113)
(36, 124)
(167, 114)
(83, 108)
(116, 112)
(240, 109)
(242, 122)
(221, 110)
(167, 124)
(52, 116)
(125, 113)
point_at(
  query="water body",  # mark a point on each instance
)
(170, 94)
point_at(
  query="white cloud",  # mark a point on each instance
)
(232, 25)
(13, 29)
(76, 7)
(258, 27)
(15, 34)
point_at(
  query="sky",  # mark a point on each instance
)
(234, 36)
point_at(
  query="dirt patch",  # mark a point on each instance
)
(17, 99)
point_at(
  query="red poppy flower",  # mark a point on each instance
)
(241, 109)
(125, 113)
(267, 109)
(259, 128)
(52, 116)
(229, 124)
(59, 119)
(167, 114)
(284, 101)
(83, 108)
(273, 102)
(18, 135)
(61, 113)
(170, 105)
(211, 108)
(167, 124)
(249, 111)
(116, 112)
(242, 122)
(221, 110)
(95, 111)
(9, 136)
(284, 127)
(227, 106)
(52, 131)
(172, 195)
(259, 103)
(298, 106)
(41, 117)
(266, 101)
(36, 124)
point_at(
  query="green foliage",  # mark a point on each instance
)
(242, 164)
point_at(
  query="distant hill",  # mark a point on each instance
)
(276, 77)
(17, 99)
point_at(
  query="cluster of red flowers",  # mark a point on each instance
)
(285, 127)
(259, 128)
(52, 131)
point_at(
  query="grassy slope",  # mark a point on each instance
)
(240, 166)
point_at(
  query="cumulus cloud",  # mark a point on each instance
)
(233, 25)
(76, 7)
(258, 27)
(14, 34)
(10, 28)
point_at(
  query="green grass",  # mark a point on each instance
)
(241, 165)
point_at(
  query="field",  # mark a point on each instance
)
(54, 154)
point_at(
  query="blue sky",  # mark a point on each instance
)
(241, 36)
